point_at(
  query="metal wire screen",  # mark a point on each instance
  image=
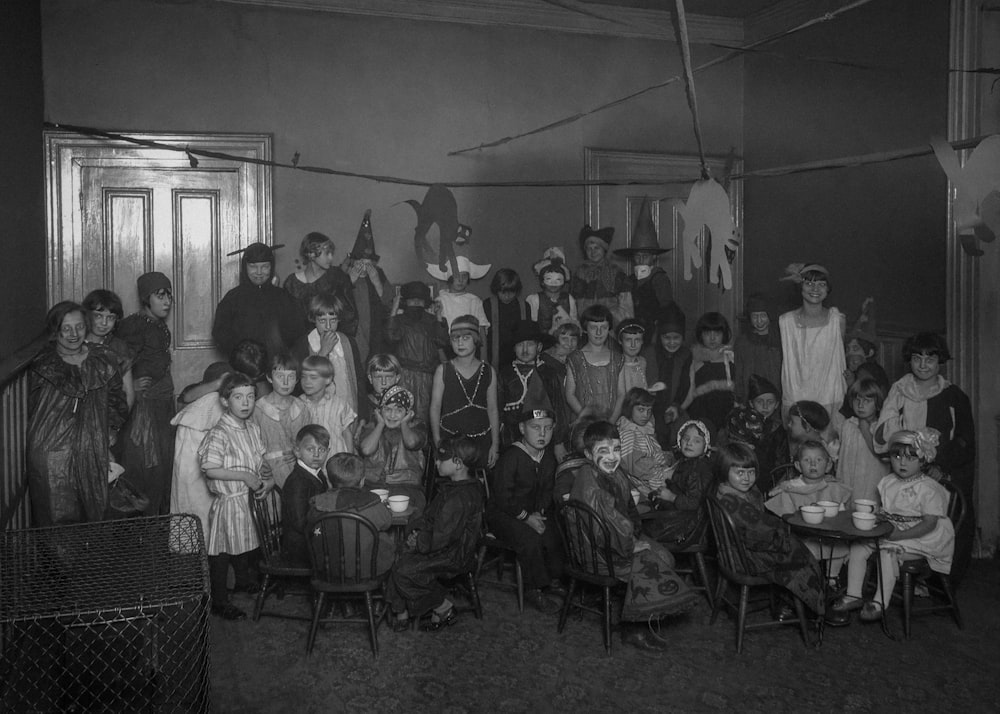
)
(105, 617)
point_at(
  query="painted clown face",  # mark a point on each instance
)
(606, 455)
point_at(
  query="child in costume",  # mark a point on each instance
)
(773, 551)
(232, 459)
(392, 444)
(757, 349)
(654, 589)
(917, 507)
(712, 392)
(464, 398)
(631, 334)
(650, 288)
(645, 463)
(503, 311)
(812, 336)
(598, 281)
(553, 304)
(280, 416)
(371, 293)
(148, 437)
(772, 447)
(104, 312)
(528, 380)
(679, 504)
(595, 377)
(306, 480)
(859, 467)
(319, 276)
(441, 544)
(668, 361)
(859, 352)
(419, 340)
(457, 301)
(324, 404)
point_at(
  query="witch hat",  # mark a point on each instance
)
(364, 244)
(644, 236)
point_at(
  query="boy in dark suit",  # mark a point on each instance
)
(305, 481)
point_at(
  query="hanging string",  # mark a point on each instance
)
(826, 17)
(692, 97)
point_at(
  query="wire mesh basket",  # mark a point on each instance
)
(105, 617)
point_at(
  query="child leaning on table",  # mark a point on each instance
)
(441, 543)
(232, 459)
(917, 507)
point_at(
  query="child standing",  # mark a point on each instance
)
(651, 290)
(917, 507)
(503, 310)
(371, 292)
(681, 519)
(711, 395)
(419, 340)
(306, 480)
(567, 336)
(457, 301)
(148, 436)
(594, 376)
(773, 551)
(440, 544)
(318, 276)
(772, 447)
(858, 466)
(598, 281)
(464, 396)
(630, 334)
(384, 372)
(280, 416)
(553, 304)
(104, 311)
(232, 459)
(757, 349)
(812, 336)
(528, 380)
(668, 361)
(324, 405)
(392, 444)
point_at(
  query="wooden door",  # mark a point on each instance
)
(117, 210)
(618, 206)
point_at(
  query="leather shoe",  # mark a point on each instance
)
(537, 599)
(399, 625)
(871, 612)
(786, 613)
(837, 618)
(846, 603)
(642, 640)
(446, 620)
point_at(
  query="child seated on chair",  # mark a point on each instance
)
(307, 479)
(774, 553)
(441, 544)
(654, 589)
(917, 507)
(392, 444)
(348, 494)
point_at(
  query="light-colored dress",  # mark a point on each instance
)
(344, 378)
(916, 497)
(189, 490)
(813, 363)
(236, 445)
(279, 426)
(596, 385)
(635, 373)
(858, 467)
(334, 414)
(455, 305)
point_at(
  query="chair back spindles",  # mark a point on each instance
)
(587, 539)
(338, 541)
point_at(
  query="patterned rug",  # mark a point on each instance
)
(510, 662)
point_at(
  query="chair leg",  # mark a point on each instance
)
(477, 604)
(741, 617)
(314, 625)
(607, 619)
(720, 591)
(949, 592)
(699, 560)
(519, 578)
(565, 607)
(800, 610)
(258, 605)
(907, 603)
(369, 605)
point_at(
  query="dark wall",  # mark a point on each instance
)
(22, 212)
(880, 229)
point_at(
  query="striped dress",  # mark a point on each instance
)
(237, 445)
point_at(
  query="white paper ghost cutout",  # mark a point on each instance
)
(977, 188)
(708, 205)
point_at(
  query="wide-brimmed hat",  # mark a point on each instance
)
(464, 266)
(644, 238)
(525, 330)
(671, 319)
(604, 234)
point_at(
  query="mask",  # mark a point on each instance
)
(553, 280)
(642, 271)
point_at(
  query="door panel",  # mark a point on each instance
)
(117, 210)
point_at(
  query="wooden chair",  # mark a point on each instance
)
(589, 560)
(276, 568)
(493, 551)
(696, 552)
(735, 568)
(939, 584)
(343, 549)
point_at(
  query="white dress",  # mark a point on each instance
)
(455, 305)
(920, 496)
(857, 466)
(189, 491)
(813, 363)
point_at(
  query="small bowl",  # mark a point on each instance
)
(863, 521)
(830, 508)
(398, 504)
(381, 493)
(812, 514)
(864, 505)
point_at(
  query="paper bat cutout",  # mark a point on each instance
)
(708, 206)
(439, 207)
(977, 188)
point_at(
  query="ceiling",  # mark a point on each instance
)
(718, 8)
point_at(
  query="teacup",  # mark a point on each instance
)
(398, 504)
(830, 508)
(863, 520)
(381, 493)
(864, 505)
(812, 514)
